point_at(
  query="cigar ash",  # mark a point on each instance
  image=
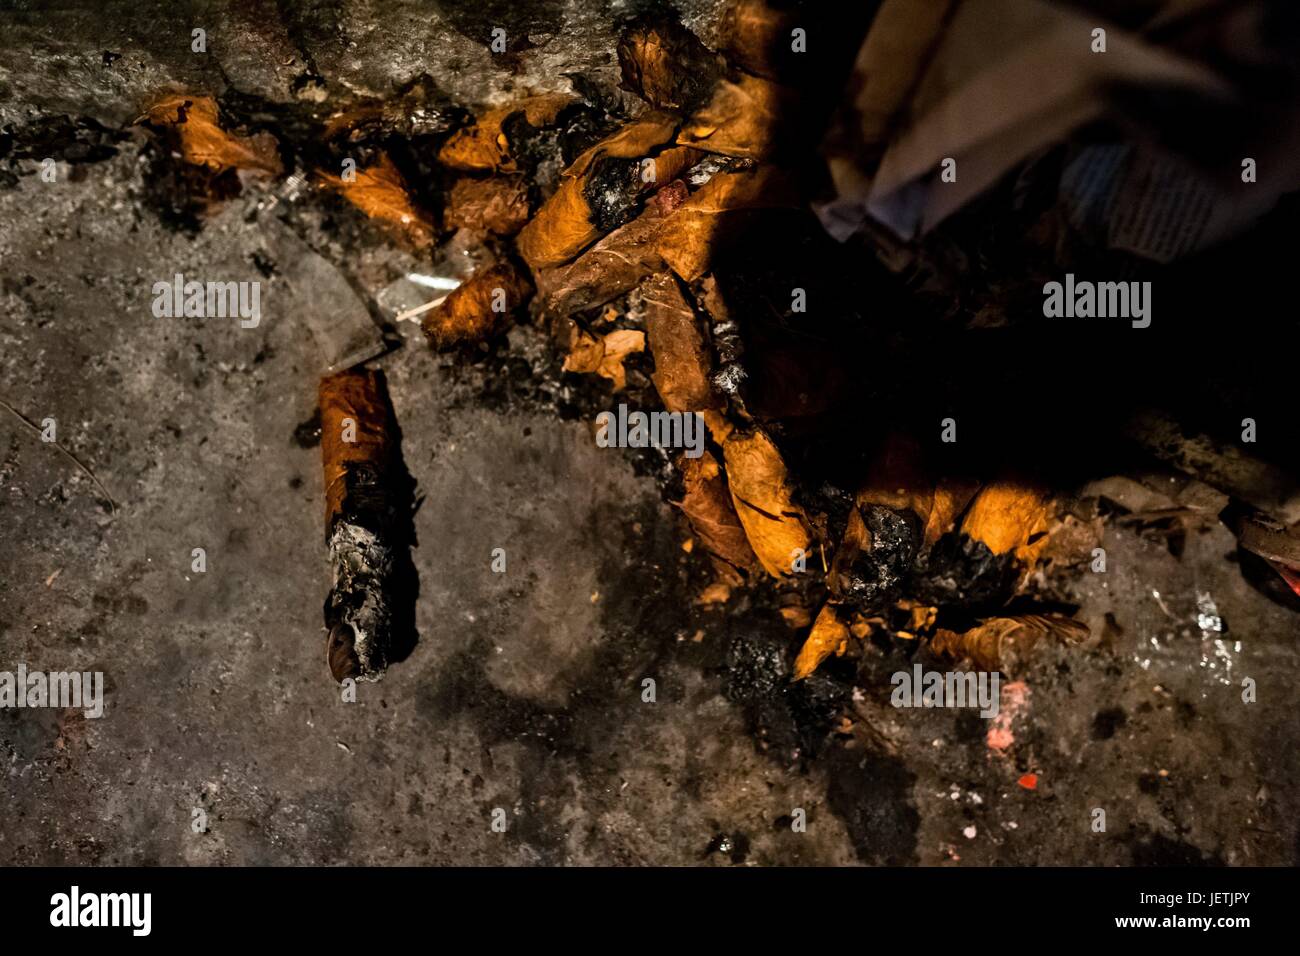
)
(359, 606)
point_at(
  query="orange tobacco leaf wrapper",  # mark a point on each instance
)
(611, 267)
(950, 499)
(898, 481)
(708, 507)
(757, 36)
(1005, 516)
(605, 355)
(682, 360)
(485, 146)
(721, 209)
(480, 307)
(358, 396)
(196, 122)
(380, 192)
(749, 118)
(599, 189)
(796, 616)
(760, 489)
(829, 635)
(1005, 643)
(671, 163)
(716, 593)
(497, 205)
(921, 618)
(665, 64)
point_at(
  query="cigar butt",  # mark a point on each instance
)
(359, 453)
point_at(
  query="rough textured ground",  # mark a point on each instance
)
(525, 690)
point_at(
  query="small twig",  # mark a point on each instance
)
(69, 455)
(419, 309)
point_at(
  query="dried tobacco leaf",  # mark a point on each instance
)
(982, 563)
(1009, 516)
(748, 118)
(585, 350)
(898, 480)
(874, 558)
(682, 359)
(671, 164)
(720, 427)
(708, 507)
(479, 308)
(757, 36)
(486, 147)
(795, 614)
(1006, 643)
(357, 395)
(718, 212)
(863, 626)
(666, 64)
(605, 354)
(599, 192)
(719, 592)
(761, 490)
(497, 205)
(195, 121)
(920, 617)
(613, 266)
(829, 635)
(951, 496)
(380, 192)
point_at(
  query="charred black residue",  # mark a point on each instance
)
(756, 667)
(962, 571)
(875, 575)
(872, 794)
(542, 154)
(263, 263)
(65, 139)
(790, 720)
(612, 192)
(307, 434)
(179, 193)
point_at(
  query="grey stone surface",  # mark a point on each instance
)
(104, 60)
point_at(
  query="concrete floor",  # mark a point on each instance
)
(525, 690)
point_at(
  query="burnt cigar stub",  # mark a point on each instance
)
(358, 449)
